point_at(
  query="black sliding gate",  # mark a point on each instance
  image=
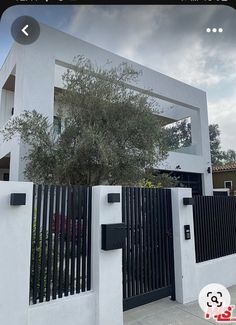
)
(148, 261)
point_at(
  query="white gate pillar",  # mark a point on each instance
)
(15, 248)
(106, 265)
(184, 250)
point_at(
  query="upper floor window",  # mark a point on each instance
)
(57, 124)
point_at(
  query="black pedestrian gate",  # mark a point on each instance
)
(148, 259)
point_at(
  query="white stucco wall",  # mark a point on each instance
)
(15, 248)
(221, 270)
(77, 309)
(184, 250)
(106, 265)
(6, 105)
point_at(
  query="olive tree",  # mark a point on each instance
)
(109, 135)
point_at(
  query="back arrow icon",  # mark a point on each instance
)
(24, 30)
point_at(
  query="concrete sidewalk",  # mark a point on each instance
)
(167, 312)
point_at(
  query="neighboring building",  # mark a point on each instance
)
(225, 177)
(32, 74)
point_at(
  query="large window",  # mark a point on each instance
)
(57, 124)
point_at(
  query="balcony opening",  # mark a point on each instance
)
(178, 136)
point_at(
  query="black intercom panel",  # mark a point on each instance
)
(187, 232)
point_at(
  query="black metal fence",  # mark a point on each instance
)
(214, 227)
(61, 242)
(148, 262)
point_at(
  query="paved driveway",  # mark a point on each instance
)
(167, 312)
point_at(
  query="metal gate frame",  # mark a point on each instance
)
(148, 256)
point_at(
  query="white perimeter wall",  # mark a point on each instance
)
(103, 304)
(191, 277)
(77, 309)
(100, 306)
(15, 247)
(221, 270)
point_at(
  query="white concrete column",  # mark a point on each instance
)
(106, 265)
(184, 250)
(195, 127)
(2, 103)
(15, 248)
(34, 90)
(207, 182)
(35, 74)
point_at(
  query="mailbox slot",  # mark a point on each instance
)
(113, 236)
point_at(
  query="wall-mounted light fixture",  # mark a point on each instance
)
(113, 197)
(18, 199)
(178, 167)
(187, 201)
(209, 170)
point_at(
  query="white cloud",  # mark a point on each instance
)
(146, 35)
(120, 28)
(223, 112)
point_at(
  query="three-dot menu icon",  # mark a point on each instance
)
(214, 30)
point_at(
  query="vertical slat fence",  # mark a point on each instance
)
(214, 227)
(61, 242)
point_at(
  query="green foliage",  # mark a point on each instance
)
(178, 135)
(36, 131)
(216, 152)
(229, 156)
(219, 157)
(160, 180)
(110, 135)
(37, 252)
(147, 184)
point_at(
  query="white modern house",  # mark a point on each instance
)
(31, 74)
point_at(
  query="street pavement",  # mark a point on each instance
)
(167, 312)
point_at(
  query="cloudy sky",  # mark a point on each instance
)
(170, 39)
